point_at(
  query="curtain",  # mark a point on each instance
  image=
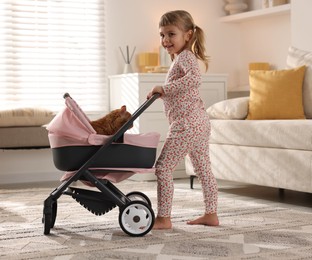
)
(50, 47)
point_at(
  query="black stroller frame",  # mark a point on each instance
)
(136, 216)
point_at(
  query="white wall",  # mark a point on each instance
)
(264, 40)
(231, 46)
(135, 23)
(301, 36)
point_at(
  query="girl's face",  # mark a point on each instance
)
(173, 39)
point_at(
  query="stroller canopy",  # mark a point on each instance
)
(72, 127)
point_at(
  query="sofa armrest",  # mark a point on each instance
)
(235, 108)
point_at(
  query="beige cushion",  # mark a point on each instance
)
(24, 137)
(236, 108)
(25, 117)
(276, 94)
(297, 58)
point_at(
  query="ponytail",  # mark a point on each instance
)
(198, 46)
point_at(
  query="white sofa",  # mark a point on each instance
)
(275, 153)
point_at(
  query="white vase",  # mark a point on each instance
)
(235, 6)
(127, 68)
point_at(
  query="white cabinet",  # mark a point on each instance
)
(131, 90)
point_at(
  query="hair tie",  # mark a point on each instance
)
(194, 29)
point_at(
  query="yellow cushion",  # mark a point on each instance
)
(276, 94)
(259, 66)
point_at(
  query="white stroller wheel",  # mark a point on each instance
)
(137, 195)
(136, 218)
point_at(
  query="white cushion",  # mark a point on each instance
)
(236, 108)
(297, 58)
(25, 117)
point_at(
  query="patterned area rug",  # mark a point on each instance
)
(250, 229)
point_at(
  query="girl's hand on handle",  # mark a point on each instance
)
(156, 89)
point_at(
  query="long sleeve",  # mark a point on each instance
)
(183, 105)
(185, 72)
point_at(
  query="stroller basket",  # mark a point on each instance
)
(97, 161)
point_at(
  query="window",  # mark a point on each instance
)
(50, 47)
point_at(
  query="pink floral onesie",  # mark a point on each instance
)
(189, 133)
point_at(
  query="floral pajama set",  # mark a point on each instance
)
(189, 133)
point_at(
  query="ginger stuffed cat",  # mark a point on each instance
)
(112, 122)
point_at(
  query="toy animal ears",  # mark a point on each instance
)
(123, 108)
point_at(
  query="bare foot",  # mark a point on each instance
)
(162, 223)
(207, 219)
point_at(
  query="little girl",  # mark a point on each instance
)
(189, 129)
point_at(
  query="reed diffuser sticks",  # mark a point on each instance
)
(127, 58)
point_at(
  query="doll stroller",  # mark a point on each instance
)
(98, 161)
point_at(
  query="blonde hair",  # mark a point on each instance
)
(184, 21)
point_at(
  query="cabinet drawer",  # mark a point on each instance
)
(151, 122)
(145, 88)
(133, 97)
(154, 122)
(212, 92)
